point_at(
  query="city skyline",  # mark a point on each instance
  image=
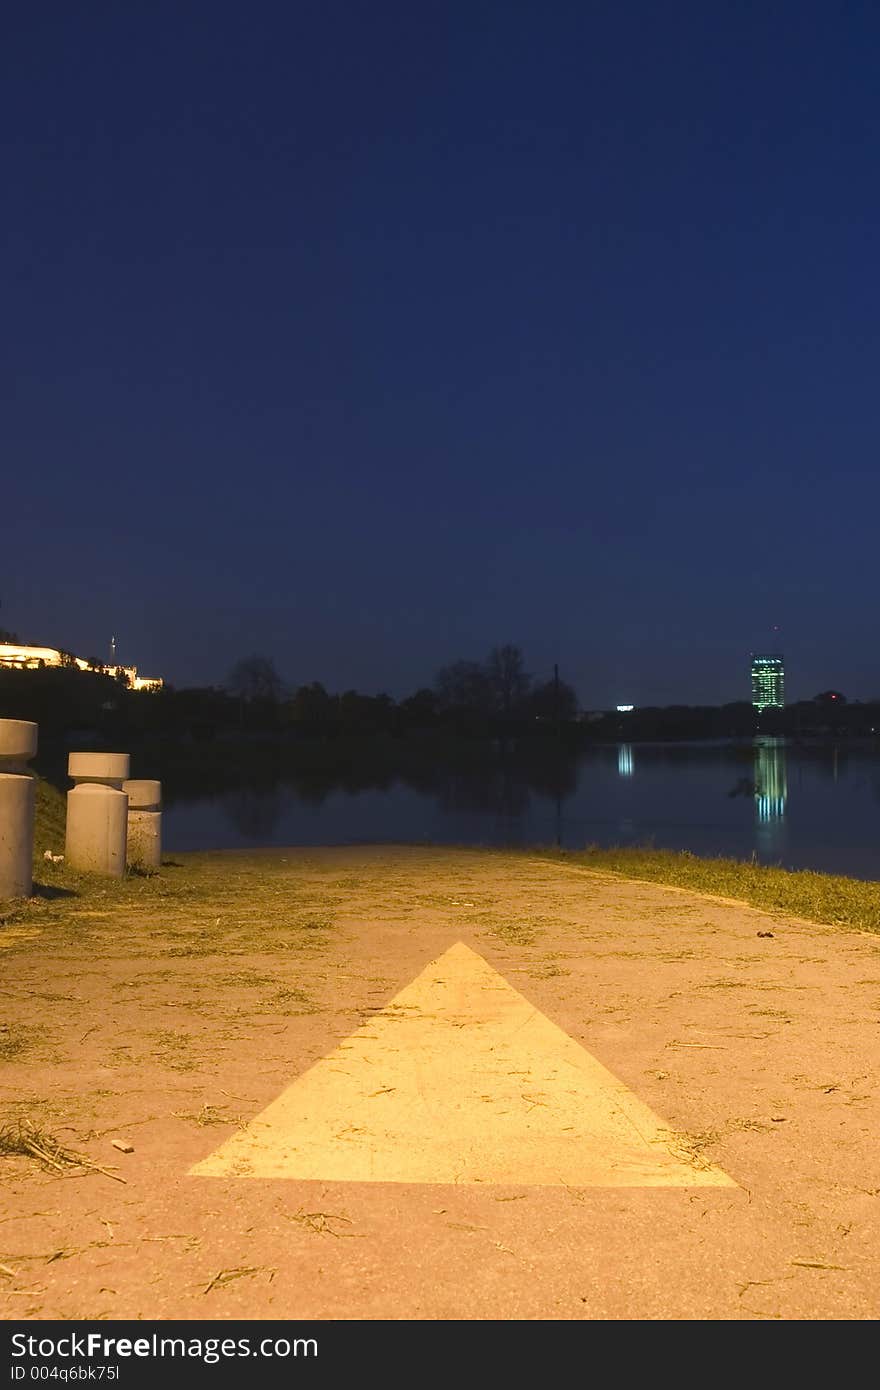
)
(767, 673)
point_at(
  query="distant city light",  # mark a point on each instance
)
(26, 658)
(625, 709)
(768, 682)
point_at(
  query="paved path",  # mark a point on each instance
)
(478, 1086)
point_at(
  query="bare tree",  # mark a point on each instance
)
(463, 685)
(508, 678)
(254, 678)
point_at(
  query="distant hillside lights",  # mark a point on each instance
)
(768, 682)
(24, 658)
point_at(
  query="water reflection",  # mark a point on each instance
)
(495, 790)
(254, 812)
(714, 799)
(511, 788)
(771, 795)
(771, 783)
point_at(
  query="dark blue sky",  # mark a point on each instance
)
(368, 336)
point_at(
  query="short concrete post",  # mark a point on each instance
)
(18, 743)
(144, 823)
(97, 813)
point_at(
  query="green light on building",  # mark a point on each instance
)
(768, 682)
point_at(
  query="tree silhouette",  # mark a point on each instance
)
(508, 679)
(312, 705)
(464, 685)
(254, 678)
(552, 701)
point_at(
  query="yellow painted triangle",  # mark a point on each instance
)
(460, 1080)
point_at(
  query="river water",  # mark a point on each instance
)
(801, 806)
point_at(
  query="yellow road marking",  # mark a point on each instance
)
(459, 1079)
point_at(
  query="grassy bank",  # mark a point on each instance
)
(51, 814)
(827, 898)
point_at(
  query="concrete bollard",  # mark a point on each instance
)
(18, 743)
(102, 769)
(144, 823)
(97, 813)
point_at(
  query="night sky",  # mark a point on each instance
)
(368, 336)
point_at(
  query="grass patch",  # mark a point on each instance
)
(49, 822)
(209, 1115)
(251, 979)
(13, 1042)
(293, 1001)
(173, 1050)
(515, 933)
(827, 898)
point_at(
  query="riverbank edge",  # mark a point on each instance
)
(826, 899)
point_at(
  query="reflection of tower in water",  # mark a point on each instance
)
(771, 782)
(625, 760)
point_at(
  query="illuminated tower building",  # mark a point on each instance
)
(768, 682)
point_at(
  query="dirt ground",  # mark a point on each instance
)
(170, 1024)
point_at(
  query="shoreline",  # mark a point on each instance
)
(811, 896)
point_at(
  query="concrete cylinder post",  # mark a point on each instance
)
(18, 744)
(144, 823)
(97, 813)
(102, 769)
